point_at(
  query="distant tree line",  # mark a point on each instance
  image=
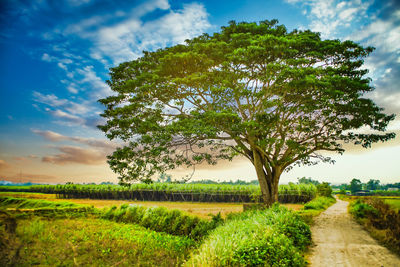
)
(356, 185)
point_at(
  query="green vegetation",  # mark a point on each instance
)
(54, 233)
(372, 188)
(161, 219)
(272, 237)
(324, 190)
(319, 203)
(380, 219)
(25, 203)
(87, 242)
(290, 193)
(315, 207)
(393, 202)
(386, 193)
(248, 90)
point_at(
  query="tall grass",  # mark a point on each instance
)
(89, 242)
(161, 219)
(25, 203)
(380, 219)
(273, 237)
(179, 192)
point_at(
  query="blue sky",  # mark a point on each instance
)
(55, 56)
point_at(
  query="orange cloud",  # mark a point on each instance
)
(4, 165)
(73, 154)
(96, 143)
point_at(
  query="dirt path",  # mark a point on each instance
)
(340, 241)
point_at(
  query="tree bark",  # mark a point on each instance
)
(269, 181)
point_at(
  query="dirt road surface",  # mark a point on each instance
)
(340, 241)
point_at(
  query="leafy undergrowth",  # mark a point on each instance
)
(133, 235)
(162, 220)
(271, 237)
(159, 219)
(87, 242)
(380, 219)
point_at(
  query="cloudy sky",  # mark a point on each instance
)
(55, 56)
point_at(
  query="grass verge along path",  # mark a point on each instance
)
(340, 241)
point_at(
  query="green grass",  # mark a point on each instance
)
(47, 233)
(24, 203)
(162, 219)
(89, 242)
(272, 237)
(393, 202)
(315, 207)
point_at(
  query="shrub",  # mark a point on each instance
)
(324, 190)
(161, 219)
(380, 219)
(361, 210)
(272, 237)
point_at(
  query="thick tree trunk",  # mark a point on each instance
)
(269, 181)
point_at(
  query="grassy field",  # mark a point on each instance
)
(394, 202)
(196, 208)
(41, 229)
(90, 242)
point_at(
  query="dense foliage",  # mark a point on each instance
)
(257, 90)
(290, 193)
(272, 237)
(161, 219)
(374, 187)
(324, 190)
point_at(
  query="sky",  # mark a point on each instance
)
(55, 58)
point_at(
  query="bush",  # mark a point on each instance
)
(362, 210)
(161, 219)
(324, 190)
(272, 237)
(380, 219)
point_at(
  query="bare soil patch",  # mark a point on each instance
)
(341, 241)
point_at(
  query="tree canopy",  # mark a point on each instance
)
(257, 90)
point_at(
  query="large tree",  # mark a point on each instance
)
(274, 97)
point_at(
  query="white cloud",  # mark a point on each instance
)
(67, 117)
(328, 16)
(51, 99)
(49, 135)
(55, 102)
(378, 27)
(126, 39)
(75, 3)
(72, 89)
(99, 87)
